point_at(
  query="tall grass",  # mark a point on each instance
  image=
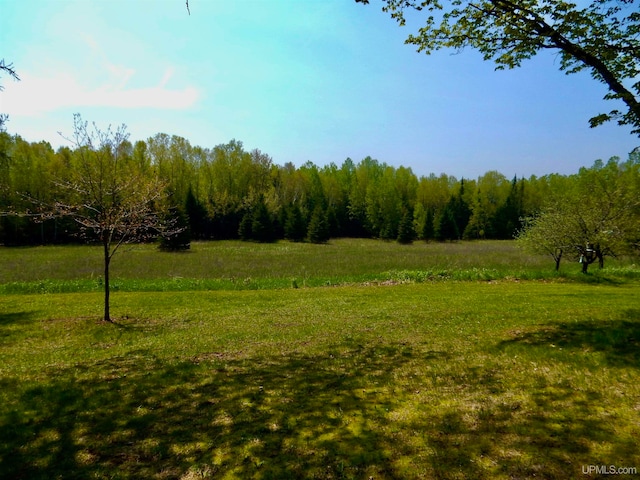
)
(231, 259)
(237, 265)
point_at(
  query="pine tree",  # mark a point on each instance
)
(454, 217)
(406, 232)
(460, 210)
(387, 232)
(262, 224)
(318, 227)
(197, 214)
(179, 239)
(447, 229)
(295, 227)
(428, 229)
(508, 216)
(244, 230)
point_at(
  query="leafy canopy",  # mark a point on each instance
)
(598, 209)
(603, 37)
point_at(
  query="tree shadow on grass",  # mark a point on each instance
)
(618, 340)
(7, 319)
(352, 412)
(294, 416)
(549, 434)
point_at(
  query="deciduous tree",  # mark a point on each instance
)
(544, 233)
(598, 217)
(108, 198)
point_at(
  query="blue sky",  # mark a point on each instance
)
(318, 80)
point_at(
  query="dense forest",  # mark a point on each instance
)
(226, 192)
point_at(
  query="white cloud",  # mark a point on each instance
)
(35, 95)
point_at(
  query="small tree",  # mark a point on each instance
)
(544, 234)
(428, 229)
(111, 200)
(197, 215)
(244, 229)
(446, 226)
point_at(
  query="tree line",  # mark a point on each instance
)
(227, 192)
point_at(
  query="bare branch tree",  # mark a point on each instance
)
(109, 197)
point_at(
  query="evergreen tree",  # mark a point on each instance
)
(447, 228)
(318, 227)
(295, 227)
(179, 238)
(262, 224)
(387, 232)
(460, 210)
(406, 232)
(279, 221)
(197, 215)
(428, 229)
(244, 230)
(333, 222)
(508, 216)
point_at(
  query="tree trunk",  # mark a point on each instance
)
(558, 257)
(107, 260)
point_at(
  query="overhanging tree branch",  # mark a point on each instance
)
(601, 37)
(6, 68)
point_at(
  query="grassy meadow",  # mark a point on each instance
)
(233, 265)
(358, 359)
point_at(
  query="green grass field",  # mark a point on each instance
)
(446, 361)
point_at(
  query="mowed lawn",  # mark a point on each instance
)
(392, 379)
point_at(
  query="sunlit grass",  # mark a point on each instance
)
(420, 361)
(244, 266)
(242, 260)
(438, 379)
